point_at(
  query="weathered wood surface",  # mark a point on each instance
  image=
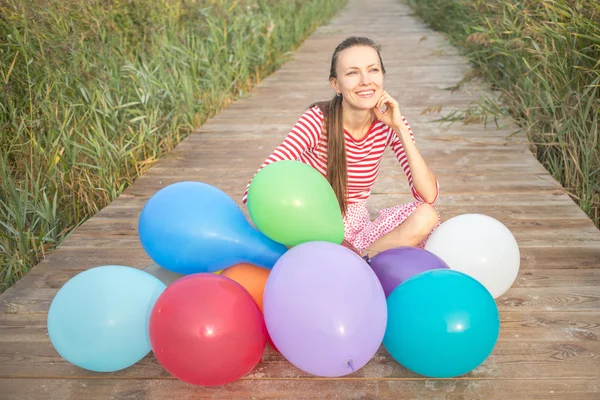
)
(548, 346)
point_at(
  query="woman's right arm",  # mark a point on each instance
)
(302, 137)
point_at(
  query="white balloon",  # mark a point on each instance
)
(479, 246)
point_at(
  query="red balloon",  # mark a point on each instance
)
(206, 329)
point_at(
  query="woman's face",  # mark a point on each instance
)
(359, 77)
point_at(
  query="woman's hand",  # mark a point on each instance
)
(391, 115)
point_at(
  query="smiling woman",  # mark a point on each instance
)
(345, 138)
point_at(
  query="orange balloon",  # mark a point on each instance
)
(251, 277)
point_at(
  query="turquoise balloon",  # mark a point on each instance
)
(99, 319)
(441, 323)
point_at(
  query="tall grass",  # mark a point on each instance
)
(543, 56)
(94, 92)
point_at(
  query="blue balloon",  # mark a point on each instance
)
(441, 323)
(99, 319)
(192, 227)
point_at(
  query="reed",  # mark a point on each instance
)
(94, 92)
(543, 57)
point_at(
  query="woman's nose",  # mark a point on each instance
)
(365, 79)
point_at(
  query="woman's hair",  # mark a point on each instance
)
(337, 171)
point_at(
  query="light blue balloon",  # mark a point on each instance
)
(192, 227)
(99, 319)
(441, 323)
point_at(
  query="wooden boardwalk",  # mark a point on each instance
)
(548, 347)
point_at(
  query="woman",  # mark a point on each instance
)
(345, 138)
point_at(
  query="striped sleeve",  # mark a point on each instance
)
(303, 136)
(396, 145)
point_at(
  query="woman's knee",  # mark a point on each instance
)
(427, 216)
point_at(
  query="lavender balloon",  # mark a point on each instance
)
(394, 266)
(325, 309)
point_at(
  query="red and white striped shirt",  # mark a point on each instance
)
(303, 143)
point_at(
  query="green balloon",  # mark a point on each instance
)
(292, 203)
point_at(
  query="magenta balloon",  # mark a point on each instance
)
(325, 309)
(394, 266)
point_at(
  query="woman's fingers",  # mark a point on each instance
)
(383, 100)
(386, 100)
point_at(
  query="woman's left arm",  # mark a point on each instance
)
(424, 181)
(421, 179)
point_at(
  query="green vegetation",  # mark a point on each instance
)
(94, 92)
(544, 58)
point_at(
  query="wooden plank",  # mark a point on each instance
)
(391, 169)
(110, 242)
(536, 262)
(560, 257)
(543, 198)
(264, 136)
(513, 217)
(566, 277)
(106, 243)
(230, 146)
(296, 389)
(272, 135)
(549, 326)
(471, 184)
(533, 259)
(509, 360)
(524, 230)
(525, 211)
(540, 267)
(137, 198)
(389, 183)
(534, 326)
(550, 299)
(59, 273)
(437, 159)
(429, 73)
(579, 298)
(424, 125)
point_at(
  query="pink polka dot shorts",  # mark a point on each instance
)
(361, 232)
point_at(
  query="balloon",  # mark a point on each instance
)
(441, 323)
(479, 246)
(325, 309)
(251, 277)
(191, 227)
(394, 266)
(205, 329)
(164, 275)
(292, 203)
(99, 319)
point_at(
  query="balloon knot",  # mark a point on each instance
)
(351, 365)
(367, 258)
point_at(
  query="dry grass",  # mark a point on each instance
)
(544, 59)
(94, 92)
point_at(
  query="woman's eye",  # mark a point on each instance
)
(375, 70)
(351, 72)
